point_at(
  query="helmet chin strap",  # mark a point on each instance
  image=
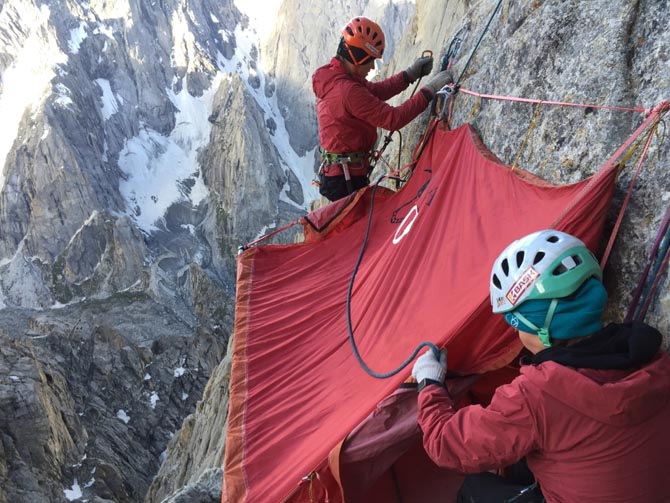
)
(542, 333)
(353, 58)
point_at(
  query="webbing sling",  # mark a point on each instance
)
(344, 160)
(337, 158)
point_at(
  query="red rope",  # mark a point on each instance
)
(546, 102)
(654, 115)
(653, 253)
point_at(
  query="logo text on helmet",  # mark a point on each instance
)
(523, 283)
(372, 50)
(406, 224)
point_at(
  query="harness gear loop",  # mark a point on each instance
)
(344, 163)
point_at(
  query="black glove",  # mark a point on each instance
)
(419, 68)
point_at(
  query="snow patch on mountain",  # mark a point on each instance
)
(157, 165)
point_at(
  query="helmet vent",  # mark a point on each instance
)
(519, 258)
(350, 31)
(567, 264)
(496, 281)
(538, 257)
(505, 267)
(553, 238)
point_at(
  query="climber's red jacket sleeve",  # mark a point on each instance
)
(475, 439)
(388, 88)
(367, 103)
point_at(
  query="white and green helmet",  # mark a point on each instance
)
(547, 264)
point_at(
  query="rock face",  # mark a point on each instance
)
(192, 471)
(92, 393)
(143, 141)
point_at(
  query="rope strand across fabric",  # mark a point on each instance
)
(352, 341)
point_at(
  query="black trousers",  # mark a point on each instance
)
(335, 187)
(517, 487)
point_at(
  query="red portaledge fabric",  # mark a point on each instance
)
(296, 389)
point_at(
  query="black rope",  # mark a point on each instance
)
(379, 375)
(467, 63)
(436, 351)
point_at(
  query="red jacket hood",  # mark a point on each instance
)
(326, 77)
(617, 397)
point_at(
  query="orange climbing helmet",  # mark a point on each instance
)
(363, 33)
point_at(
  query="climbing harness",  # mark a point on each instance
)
(347, 164)
(348, 156)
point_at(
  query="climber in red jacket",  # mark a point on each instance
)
(591, 407)
(350, 108)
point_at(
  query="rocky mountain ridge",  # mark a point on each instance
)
(154, 137)
(119, 224)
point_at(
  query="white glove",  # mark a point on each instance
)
(427, 367)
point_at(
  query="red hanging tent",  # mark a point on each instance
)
(297, 390)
